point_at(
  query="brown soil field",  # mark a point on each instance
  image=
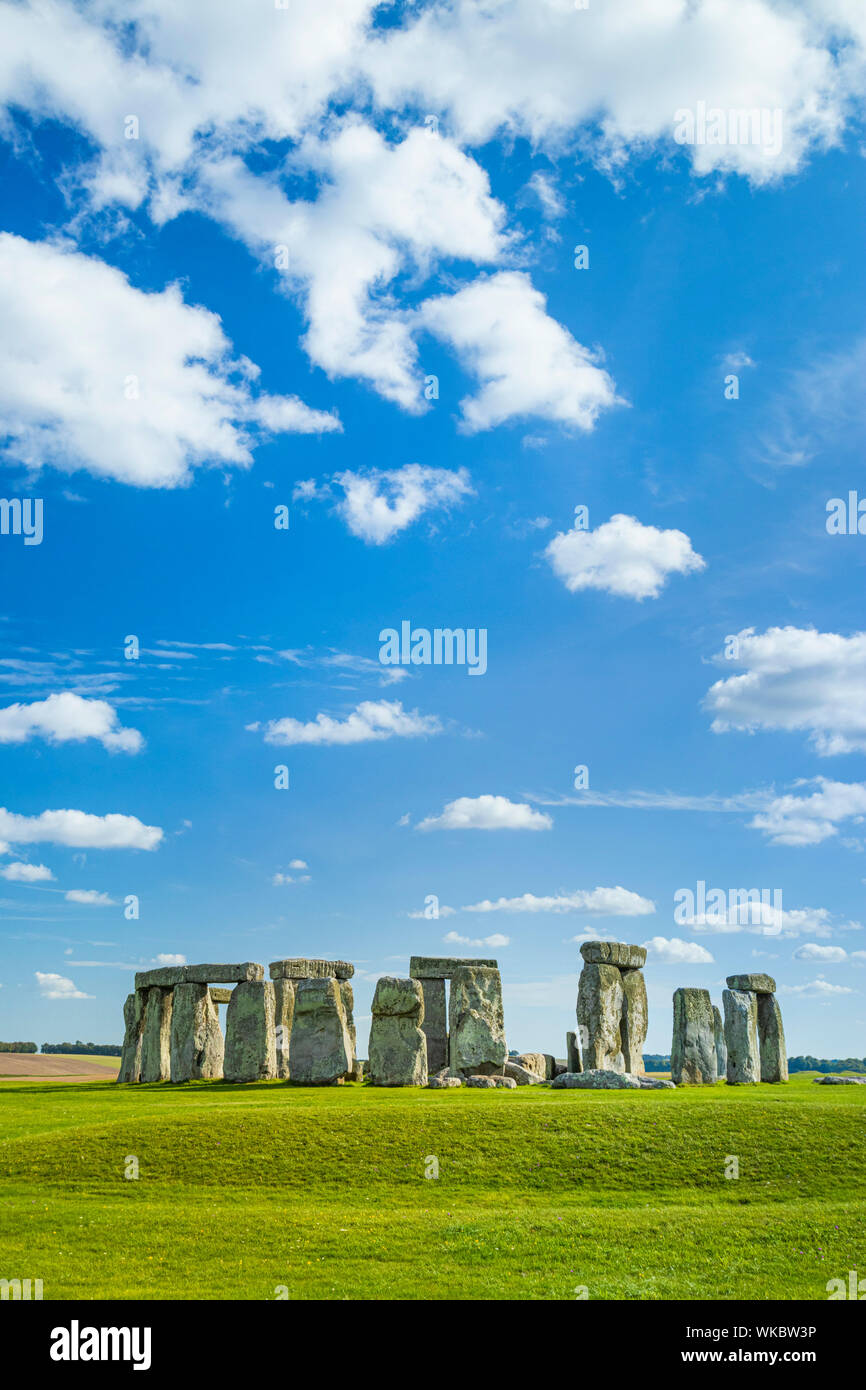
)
(57, 1068)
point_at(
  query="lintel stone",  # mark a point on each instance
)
(753, 984)
(617, 953)
(442, 967)
(299, 968)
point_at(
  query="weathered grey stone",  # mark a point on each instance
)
(284, 1013)
(771, 1039)
(614, 953)
(443, 1081)
(299, 968)
(442, 967)
(398, 1047)
(196, 1040)
(522, 1075)
(220, 996)
(133, 1018)
(633, 1024)
(486, 1083)
(595, 1080)
(572, 1053)
(756, 984)
(476, 1021)
(561, 1066)
(156, 1035)
(435, 1024)
(721, 1047)
(532, 1061)
(357, 1072)
(693, 1050)
(210, 974)
(655, 1083)
(347, 996)
(741, 1037)
(599, 1018)
(839, 1080)
(166, 976)
(250, 1042)
(321, 1046)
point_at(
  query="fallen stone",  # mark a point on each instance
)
(133, 1018)
(741, 1037)
(156, 1035)
(522, 1075)
(476, 1021)
(561, 1066)
(398, 1047)
(442, 967)
(532, 1061)
(771, 1039)
(284, 1014)
(655, 1083)
(595, 1080)
(756, 984)
(299, 968)
(321, 1052)
(839, 1080)
(443, 1081)
(491, 1082)
(572, 1051)
(197, 1046)
(721, 1048)
(599, 1018)
(614, 953)
(250, 1041)
(633, 1024)
(693, 1049)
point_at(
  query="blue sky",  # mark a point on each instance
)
(356, 211)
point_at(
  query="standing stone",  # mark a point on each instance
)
(721, 1048)
(250, 1043)
(398, 1047)
(435, 1023)
(633, 1025)
(347, 996)
(156, 1035)
(196, 1039)
(693, 1050)
(771, 1035)
(572, 1054)
(599, 1017)
(284, 1012)
(476, 1021)
(130, 1057)
(321, 1044)
(741, 1037)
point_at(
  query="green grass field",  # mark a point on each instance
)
(246, 1190)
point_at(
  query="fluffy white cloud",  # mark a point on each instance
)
(827, 955)
(622, 557)
(486, 813)
(525, 362)
(89, 897)
(86, 360)
(795, 679)
(167, 958)
(453, 938)
(673, 951)
(816, 989)
(373, 720)
(377, 505)
(80, 830)
(601, 902)
(808, 820)
(26, 873)
(766, 919)
(58, 987)
(67, 718)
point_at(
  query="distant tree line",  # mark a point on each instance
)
(18, 1047)
(80, 1048)
(822, 1064)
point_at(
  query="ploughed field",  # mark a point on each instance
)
(268, 1190)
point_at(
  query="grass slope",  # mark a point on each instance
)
(247, 1190)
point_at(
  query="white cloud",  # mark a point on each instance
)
(765, 919)
(601, 902)
(373, 720)
(67, 718)
(622, 557)
(58, 987)
(525, 362)
(453, 938)
(827, 955)
(86, 359)
(297, 864)
(377, 505)
(486, 813)
(166, 958)
(26, 873)
(816, 989)
(809, 820)
(796, 679)
(673, 951)
(80, 830)
(89, 897)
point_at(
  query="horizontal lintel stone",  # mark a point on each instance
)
(299, 968)
(442, 967)
(752, 984)
(619, 953)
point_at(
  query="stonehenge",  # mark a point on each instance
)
(432, 972)
(196, 1045)
(754, 1036)
(321, 1044)
(693, 1050)
(398, 1046)
(476, 1022)
(612, 1007)
(721, 1046)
